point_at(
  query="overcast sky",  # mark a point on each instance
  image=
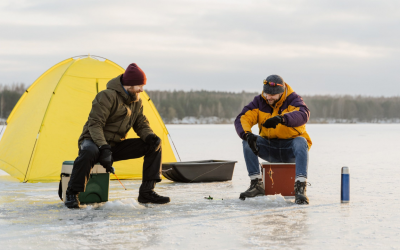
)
(318, 47)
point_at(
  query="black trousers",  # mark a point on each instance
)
(89, 155)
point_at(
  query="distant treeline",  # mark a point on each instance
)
(176, 105)
(324, 108)
(9, 96)
(353, 108)
(180, 104)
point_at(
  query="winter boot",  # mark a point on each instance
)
(300, 187)
(256, 189)
(147, 194)
(71, 199)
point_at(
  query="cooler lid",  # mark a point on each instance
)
(66, 168)
(98, 169)
(68, 165)
(277, 163)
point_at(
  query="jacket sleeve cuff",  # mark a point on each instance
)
(105, 146)
(145, 136)
(284, 120)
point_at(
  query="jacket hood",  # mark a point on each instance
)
(288, 91)
(115, 84)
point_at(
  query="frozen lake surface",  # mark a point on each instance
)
(33, 217)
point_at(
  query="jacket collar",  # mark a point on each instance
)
(288, 91)
(115, 84)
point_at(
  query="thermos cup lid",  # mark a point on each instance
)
(345, 170)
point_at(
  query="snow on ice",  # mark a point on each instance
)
(33, 217)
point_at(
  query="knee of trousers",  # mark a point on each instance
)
(89, 154)
(300, 144)
(151, 152)
(246, 146)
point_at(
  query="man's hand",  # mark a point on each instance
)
(105, 158)
(154, 141)
(273, 122)
(252, 141)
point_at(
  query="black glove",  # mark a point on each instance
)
(105, 158)
(154, 141)
(273, 122)
(251, 140)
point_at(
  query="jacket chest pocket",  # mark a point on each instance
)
(132, 119)
(116, 118)
(125, 123)
(127, 118)
(120, 112)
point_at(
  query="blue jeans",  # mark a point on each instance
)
(277, 150)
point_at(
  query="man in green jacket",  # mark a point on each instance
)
(114, 112)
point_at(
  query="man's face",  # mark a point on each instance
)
(134, 91)
(272, 99)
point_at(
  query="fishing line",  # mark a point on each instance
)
(269, 150)
(174, 147)
(210, 171)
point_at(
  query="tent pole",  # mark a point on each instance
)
(29, 163)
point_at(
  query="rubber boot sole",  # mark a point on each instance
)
(243, 197)
(145, 201)
(302, 200)
(72, 206)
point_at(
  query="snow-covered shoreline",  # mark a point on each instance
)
(217, 120)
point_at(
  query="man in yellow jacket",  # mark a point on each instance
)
(281, 116)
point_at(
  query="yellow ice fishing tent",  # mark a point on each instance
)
(43, 128)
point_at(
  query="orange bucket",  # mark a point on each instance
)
(279, 178)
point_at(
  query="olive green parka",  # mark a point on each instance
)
(113, 113)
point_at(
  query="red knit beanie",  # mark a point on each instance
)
(133, 76)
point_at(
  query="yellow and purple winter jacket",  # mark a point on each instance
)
(291, 106)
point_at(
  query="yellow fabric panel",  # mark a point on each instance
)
(92, 68)
(19, 138)
(282, 131)
(53, 74)
(62, 126)
(270, 133)
(249, 119)
(290, 108)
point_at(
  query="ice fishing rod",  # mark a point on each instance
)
(119, 181)
(212, 198)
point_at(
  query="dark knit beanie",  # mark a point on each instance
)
(133, 76)
(274, 80)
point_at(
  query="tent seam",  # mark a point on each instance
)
(12, 166)
(105, 78)
(41, 124)
(32, 85)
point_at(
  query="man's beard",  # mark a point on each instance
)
(134, 96)
(273, 103)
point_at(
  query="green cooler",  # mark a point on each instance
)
(97, 187)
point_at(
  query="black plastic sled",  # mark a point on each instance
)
(199, 171)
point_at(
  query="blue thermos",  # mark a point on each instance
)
(345, 187)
